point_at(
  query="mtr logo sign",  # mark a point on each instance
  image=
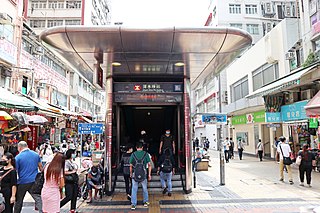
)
(137, 87)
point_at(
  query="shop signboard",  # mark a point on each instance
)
(214, 119)
(255, 117)
(293, 112)
(239, 119)
(313, 122)
(273, 117)
(8, 51)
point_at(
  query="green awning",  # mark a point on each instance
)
(14, 101)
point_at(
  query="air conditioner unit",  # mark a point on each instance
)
(224, 98)
(291, 97)
(38, 50)
(288, 10)
(77, 109)
(4, 16)
(307, 94)
(268, 8)
(290, 55)
(269, 27)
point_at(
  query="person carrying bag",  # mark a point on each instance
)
(284, 151)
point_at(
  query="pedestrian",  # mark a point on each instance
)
(8, 181)
(226, 146)
(197, 158)
(27, 164)
(166, 170)
(94, 182)
(276, 154)
(231, 156)
(196, 142)
(306, 164)
(284, 151)
(71, 181)
(46, 153)
(167, 142)
(240, 148)
(125, 165)
(260, 149)
(139, 161)
(53, 183)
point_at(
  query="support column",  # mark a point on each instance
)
(187, 134)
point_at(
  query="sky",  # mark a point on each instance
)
(160, 13)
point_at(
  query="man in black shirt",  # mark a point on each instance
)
(167, 142)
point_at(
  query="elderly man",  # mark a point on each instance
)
(27, 164)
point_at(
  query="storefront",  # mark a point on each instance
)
(296, 125)
(250, 128)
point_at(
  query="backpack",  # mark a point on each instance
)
(166, 166)
(126, 165)
(140, 172)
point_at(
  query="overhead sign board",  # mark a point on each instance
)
(214, 119)
(148, 87)
(147, 98)
(90, 128)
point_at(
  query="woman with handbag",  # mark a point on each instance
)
(71, 181)
(306, 164)
(8, 181)
(53, 182)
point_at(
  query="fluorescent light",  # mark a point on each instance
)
(179, 64)
(116, 64)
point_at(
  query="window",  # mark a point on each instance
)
(264, 75)
(53, 23)
(38, 4)
(37, 23)
(234, 8)
(6, 30)
(211, 105)
(251, 9)
(73, 22)
(56, 4)
(236, 25)
(240, 89)
(253, 29)
(73, 4)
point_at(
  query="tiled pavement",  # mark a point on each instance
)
(251, 186)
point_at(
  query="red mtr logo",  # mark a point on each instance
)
(137, 87)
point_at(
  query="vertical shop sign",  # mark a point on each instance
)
(32, 137)
(313, 123)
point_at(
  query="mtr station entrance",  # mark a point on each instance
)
(148, 75)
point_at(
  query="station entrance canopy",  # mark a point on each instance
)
(151, 51)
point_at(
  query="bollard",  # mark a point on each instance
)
(222, 169)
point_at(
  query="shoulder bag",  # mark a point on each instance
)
(72, 178)
(286, 160)
(38, 183)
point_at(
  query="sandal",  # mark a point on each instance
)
(89, 201)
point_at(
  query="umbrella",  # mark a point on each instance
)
(4, 116)
(37, 119)
(21, 117)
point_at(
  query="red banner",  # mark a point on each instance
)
(32, 137)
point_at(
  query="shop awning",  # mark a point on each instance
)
(313, 106)
(287, 81)
(86, 119)
(45, 108)
(13, 101)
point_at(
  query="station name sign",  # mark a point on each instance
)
(148, 87)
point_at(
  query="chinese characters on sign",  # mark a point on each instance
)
(294, 111)
(273, 117)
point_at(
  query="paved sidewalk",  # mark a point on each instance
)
(250, 186)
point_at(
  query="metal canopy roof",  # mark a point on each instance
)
(152, 51)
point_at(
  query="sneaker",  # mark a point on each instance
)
(301, 184)
(146, 204)
(309, 186)
(281, 179)
(291, 182)
(169, 194)
(133, 207)
(164, 191)
(128, 197)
